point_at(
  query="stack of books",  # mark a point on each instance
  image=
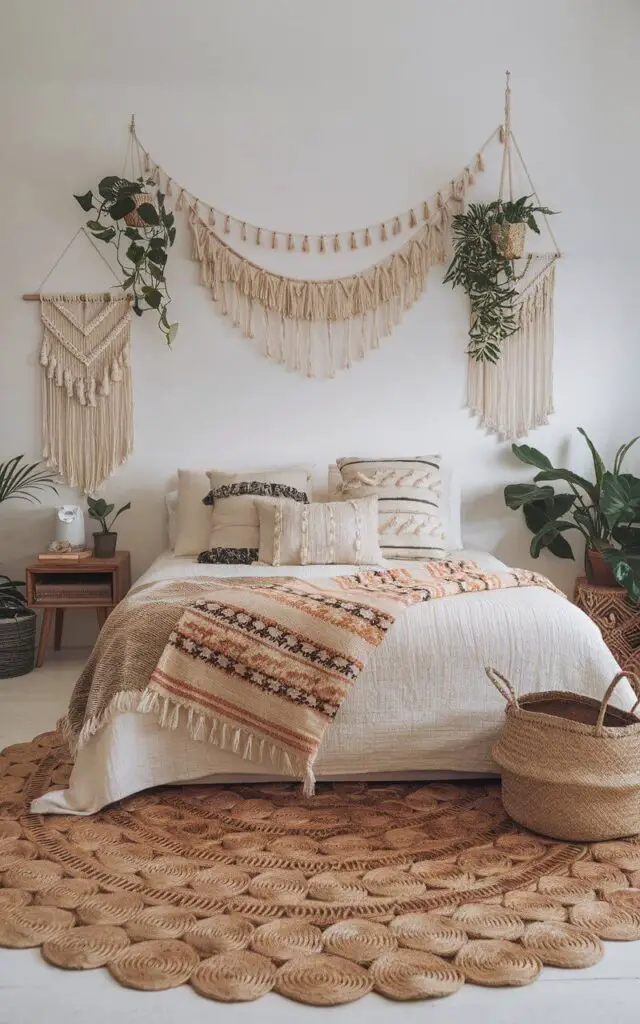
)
(65, 556)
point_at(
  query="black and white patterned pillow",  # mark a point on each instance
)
(242, 522)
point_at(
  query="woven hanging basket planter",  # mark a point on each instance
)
(17, 644)
(133, 219)
(508, 239)
(570, 764)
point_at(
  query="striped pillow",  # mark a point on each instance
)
(410, 517)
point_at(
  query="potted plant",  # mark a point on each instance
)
(104, 540)
(606, 512)
(21, 481)
(486, 239)
(131, 216)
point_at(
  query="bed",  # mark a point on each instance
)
(422, 707)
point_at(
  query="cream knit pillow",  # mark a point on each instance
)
(409, 491)
(329, 533)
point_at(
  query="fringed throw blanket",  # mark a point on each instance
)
(258, 666)
(87, 413)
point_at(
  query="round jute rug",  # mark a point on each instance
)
(407, 890)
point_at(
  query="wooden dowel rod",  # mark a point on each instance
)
(31, 297)
(107, 296)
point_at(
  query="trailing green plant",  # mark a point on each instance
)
(20, 480)
(487, 277)
(605, 511)
(142, 249)
(100, 510)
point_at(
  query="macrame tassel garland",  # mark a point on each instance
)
(515, 395)
(87, 419)
(315, 320)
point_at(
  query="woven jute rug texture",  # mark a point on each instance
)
(407, 890)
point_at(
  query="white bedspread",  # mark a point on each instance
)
(422, 705)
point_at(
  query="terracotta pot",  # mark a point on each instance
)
(104, 544)
(509, 239)
(600, 572)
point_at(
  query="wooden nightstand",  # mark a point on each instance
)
(617, 618)
(98, 583)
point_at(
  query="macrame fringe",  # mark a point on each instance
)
(87, 407)
(209, 728)
(371, 303)
(515, 395)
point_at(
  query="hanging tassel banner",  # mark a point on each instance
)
(87, 414)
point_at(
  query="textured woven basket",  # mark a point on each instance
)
(570, 764)
(509, 239)
(17, 644)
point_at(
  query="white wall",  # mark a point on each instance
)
(315, 116)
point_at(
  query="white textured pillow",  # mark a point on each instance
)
(193, 518)
(171, 502)
(234, 520)
(409, 491)
(325, 533)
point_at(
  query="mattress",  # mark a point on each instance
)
(422, 705)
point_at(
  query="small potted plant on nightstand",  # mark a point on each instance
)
(17, 622)
(105, 539)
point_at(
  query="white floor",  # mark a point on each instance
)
(31, 991)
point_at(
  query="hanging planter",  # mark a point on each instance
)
(131, 216)
(486, 240)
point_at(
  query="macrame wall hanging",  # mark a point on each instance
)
(515, 394)
(87, 398)
(318, 326)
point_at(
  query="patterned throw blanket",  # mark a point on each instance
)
(258, 666)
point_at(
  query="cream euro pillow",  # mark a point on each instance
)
(324, 533)
(193, 519)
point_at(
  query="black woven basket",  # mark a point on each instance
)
(17, 644)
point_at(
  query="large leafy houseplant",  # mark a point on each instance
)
(487, 276)
(20, 480)
(605, 511)
(131, 216)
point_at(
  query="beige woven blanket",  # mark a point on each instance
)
(258, 666)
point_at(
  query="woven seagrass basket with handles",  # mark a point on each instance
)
(570, 763)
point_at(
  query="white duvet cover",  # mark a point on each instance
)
(422, 706)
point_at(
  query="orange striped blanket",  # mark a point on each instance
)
(261, 666)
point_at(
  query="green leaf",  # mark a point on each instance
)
(109, 188)
(627, 536)
(622, 453)
(148, 213)
(561, 503)
(97, 506)
(168, 220)
(152, 296)
(95, 225)
(517, 495)
(626, 569)
(533, 224)
(598, 464)
(122, 207)
(158, 256)
(171, 333)
(128, 281)
(172, 235)
(156, 272)
(531, 456)
(124, 508)
(568, 477)
(86, 200)
(135, 253)
(538, 517)
(549, 536)
(107, 235)
(620, 498)
(133, 233)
